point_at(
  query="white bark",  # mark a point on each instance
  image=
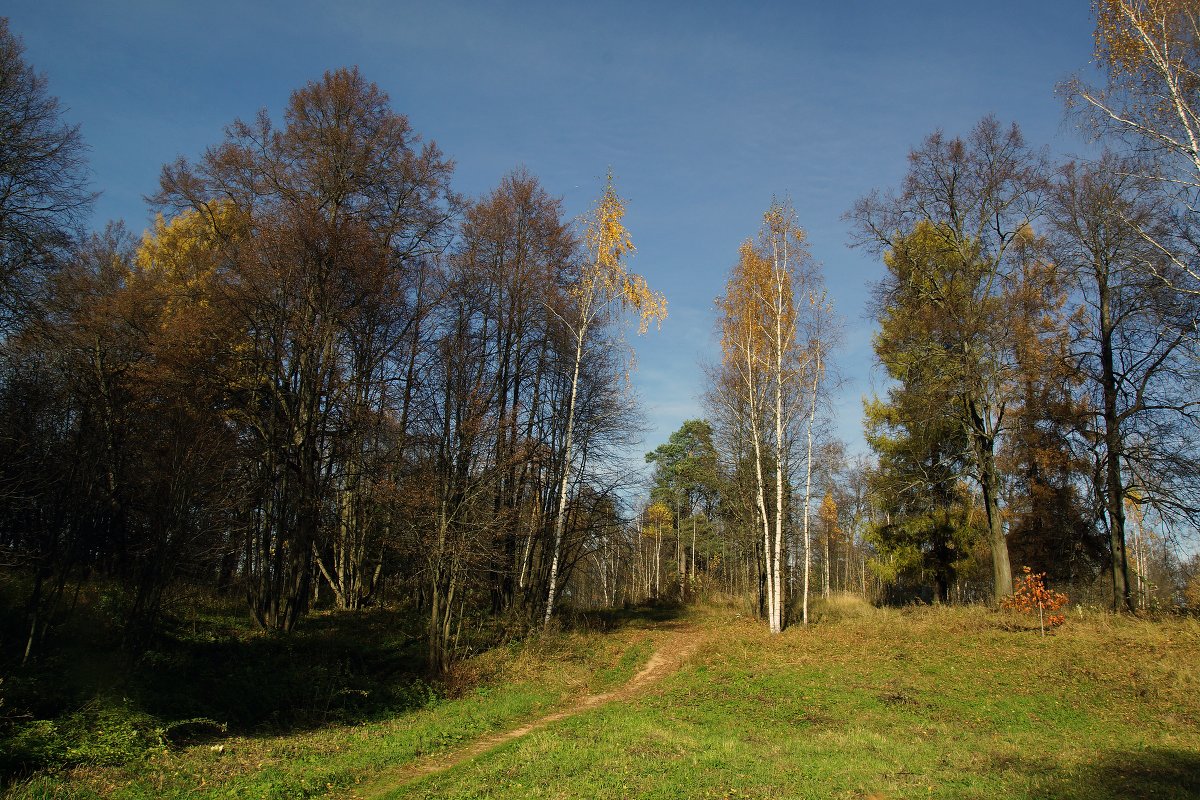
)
(560, 520)
(760, 488)
(812, 417)
(780, 450)
(1165, 82)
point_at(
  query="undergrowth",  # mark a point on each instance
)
(86, 701)
(214, 702)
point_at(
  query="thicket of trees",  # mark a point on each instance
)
(322, 378)
(1040, 343)
(1039, 346)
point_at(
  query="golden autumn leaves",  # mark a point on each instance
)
(604, 281)
(1132, 32)
(767, 336)
(759, 318)
(182, 254)
(774, 319)
(605, 278)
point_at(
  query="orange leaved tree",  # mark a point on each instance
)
(1031, 594)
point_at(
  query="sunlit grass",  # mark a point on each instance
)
(933, 702)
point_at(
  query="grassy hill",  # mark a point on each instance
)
(921, 702)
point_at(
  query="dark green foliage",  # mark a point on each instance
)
(926, 532)
(685, 468)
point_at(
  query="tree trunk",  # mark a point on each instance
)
(561, 519)
(812, 417)
(984, 442)
(1114, 493)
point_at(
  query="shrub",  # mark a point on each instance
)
(94, 735)
(1031, 594)
(838, 607)
(1191, 593)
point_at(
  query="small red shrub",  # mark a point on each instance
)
(1031, 594)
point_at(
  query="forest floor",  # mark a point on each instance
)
(864, 703)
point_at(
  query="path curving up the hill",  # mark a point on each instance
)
(673, 648)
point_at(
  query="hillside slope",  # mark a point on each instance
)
(926, 702)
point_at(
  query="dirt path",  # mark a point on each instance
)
(673, 648)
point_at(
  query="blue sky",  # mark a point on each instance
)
(704, 111)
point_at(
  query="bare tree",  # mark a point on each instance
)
(43, 181)
(323, 224)
(515, 258)
(1132, 345)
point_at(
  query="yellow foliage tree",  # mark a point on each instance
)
(604, 285)
(768, 366)
(1150, 52)
(827, 514)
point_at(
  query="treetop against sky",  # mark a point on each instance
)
(703, 111)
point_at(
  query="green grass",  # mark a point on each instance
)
(929, 702)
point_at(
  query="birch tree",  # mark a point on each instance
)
(604, 286)
(767, 369)
(817, 326)
(744, 347)
(1149, 53)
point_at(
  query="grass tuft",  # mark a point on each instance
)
(840, 606)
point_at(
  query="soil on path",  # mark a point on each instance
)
(673, 649)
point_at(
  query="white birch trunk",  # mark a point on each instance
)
(812, 416)
(777, 572)
(781, 278)
(561, 520)
(760, 489)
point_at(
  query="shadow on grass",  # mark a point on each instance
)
(1156, 772)
(334, 668)
(339, 667)
(90, 703)
(662, 614)
(211, 676)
